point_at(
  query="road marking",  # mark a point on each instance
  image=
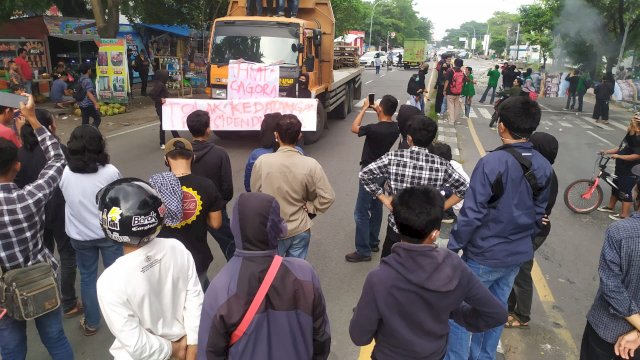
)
(547, 122)
(599, 125)
(132, 130)
(565, 124)
(485, 113)
(601, 139)
(472, 114)
(619, 126)
(368, 82)
(583, 125)
(539, 281)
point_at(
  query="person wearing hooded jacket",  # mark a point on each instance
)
(522, 293)
(158, 94)
(292, 322)
(301, 88)
(407, 300)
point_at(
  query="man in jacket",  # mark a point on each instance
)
(603, 92)
(573, 89)
(419, 287)
(502, 213)
(297, 182)
(212, 161)
(292, 323)
(159, 94)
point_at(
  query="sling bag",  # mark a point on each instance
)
(29, 292)
(257, 301)
(497, 188)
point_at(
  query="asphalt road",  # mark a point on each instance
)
(568, 259)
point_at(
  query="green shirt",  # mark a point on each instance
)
(468, 89)
(494, 75)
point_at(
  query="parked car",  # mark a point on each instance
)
(367, 58)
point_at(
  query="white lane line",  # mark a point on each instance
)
(547, 122)
(598, 125)
(600, 138)
(544, 107)
(619, 126)
(472, 114)
(368, 82)
(485, 113)
(155, 123)
(565, 124)
(360, 103)
(585, 126)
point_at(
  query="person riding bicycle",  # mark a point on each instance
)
(627, 155)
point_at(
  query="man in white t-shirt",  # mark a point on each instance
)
(150, 297)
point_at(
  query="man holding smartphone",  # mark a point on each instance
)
(379, 138)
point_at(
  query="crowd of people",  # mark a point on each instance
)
(422, 301)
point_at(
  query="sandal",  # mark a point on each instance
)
(514, 323)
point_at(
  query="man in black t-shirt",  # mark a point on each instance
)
(379, 138)
(201, 206)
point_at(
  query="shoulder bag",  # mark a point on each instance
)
(29, 292)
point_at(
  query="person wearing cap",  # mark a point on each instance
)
(88, 170)
(201, 206)
(6, 132)
(150, 297)
(22, 236)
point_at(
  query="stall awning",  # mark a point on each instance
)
(173, 29)
(76, 37)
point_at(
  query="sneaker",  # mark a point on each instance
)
(615, 217)
(88, 331)
(355, 257)
(375, 249)
(74, 311)
(162, 147)
(605, 209)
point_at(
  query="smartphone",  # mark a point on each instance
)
(12, 100)
(372, 99)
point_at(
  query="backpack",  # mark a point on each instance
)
(79, 93)
(497, 187)
(412, 86)
(457, 82)
(533, 95)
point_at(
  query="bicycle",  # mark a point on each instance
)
(585, 195)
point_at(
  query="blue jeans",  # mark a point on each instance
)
(13, 337)
(296, 246)
(87, 256)
(482, 346)
(224, 236)
(486, 92)
(368, 217)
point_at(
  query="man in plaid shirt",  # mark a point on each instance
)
(412, 167)
(21, 229)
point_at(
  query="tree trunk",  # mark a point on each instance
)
(107, 22)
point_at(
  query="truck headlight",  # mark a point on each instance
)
(218, 93)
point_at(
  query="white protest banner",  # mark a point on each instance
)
(240, 114)
(250, 80)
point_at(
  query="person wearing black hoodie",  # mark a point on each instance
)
(158, 94)
(300, 89)
(212, 161)
(406, 302)
(522, 292)
(404, 115)
(603, 92)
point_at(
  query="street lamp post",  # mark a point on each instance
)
(371, 22)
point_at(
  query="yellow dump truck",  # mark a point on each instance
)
(300, 45)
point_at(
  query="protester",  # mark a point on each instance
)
(404, 115)
(442, 67)
(150, 297)
(584, 83)
(377, 60)
(603, 92)
(501, 215)
(444, 151)
(158, 94)
(292, 323)
(407, 300)
(389, 59)
(528, 75)
(202, 207)
(529, 90)
(301, 88)
(468, 91)
(32, 160)
(522, 293)
(493, 75)
(536, 78)
(453, 85)
(268, 145)
(411, 167)
(573, 80)
(212, 162)
(379, 138)
(416, 88)
(89, 106)
(613, 322)
(15, 78)
(87, 172)
(60, 93)
(24, 69)
(627, 155)
(297, 182)
(22, 243)
(142, 68)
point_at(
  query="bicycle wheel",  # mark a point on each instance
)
(573, 196)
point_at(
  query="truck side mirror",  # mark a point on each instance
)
(294, 48)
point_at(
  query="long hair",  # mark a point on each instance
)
(634, 124)
(86, 150)
(28, 136)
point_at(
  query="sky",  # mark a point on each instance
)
(451, 14)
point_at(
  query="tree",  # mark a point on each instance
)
(467, 29)
(536, 25)
(11, 8)
(107, 15)
(349, 15)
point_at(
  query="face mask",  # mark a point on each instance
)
(302, 83)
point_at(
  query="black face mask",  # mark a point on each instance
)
(302, 83)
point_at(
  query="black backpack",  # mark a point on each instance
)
(79, 93)
(497, 187)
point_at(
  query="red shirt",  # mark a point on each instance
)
(9, 134)
(25, 68)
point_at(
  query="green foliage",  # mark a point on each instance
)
(349, 15)
(396, 16)
(196, 14)
(10, 8)
(465, 30)
(536, 26)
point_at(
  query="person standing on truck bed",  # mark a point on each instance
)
(300, 89)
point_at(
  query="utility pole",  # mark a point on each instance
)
(371, 22)
(506, 46)
(517, 42)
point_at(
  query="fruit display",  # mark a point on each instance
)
(112, 109)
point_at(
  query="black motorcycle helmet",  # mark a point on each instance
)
(130, 211)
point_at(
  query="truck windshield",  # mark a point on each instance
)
(258, 49)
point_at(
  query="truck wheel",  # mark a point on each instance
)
(350, 103)
(311, 137)
(407, 67)
(341, 111)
